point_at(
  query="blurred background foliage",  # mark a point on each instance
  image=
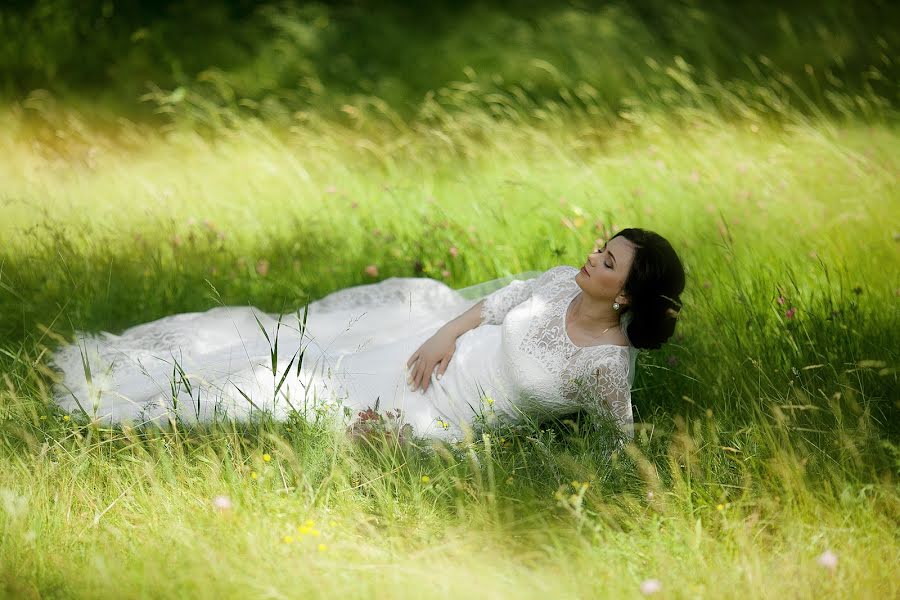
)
(273, 60)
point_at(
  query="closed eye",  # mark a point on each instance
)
(605, 264)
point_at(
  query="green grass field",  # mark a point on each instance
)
(768, 431)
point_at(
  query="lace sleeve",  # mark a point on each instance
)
(605, 394)
(500, 302)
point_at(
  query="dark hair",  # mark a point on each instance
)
(654, 286)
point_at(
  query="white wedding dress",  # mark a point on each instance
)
(519, 363)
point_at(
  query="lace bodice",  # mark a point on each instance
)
(595, 378)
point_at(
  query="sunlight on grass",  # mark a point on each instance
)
(765, 461)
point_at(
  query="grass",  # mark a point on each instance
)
(766, 438)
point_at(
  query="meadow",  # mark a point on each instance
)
(767, 451)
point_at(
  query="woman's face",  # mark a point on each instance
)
(603, 275)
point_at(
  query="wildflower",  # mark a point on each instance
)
(66, 418)
(322, 547)
(43, 417)
(790, 312)
(254, 475)
(288, 539)
(649, 495)
(310, 523)
(262, 267)
(720, 507)
(445, 273)
(267, 457)
(828, 560)
(489, 400)
(781, 300)
(454, 251)
(332, 523)
(221, 503)
(425, 478)
(372, 271)
(650, 586)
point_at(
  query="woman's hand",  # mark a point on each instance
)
(435, 352)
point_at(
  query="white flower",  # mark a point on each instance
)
(222, 503)
(650, 586)
(828, 559)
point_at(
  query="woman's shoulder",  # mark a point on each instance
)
(563, 270)
(561, 273)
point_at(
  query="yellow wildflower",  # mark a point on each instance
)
(322, 547)
(310, 523)
(66, 418)
(425, 478)
(267, 457)
(288, 539)
(720, 507)
(254, 475)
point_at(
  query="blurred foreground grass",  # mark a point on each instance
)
(769, 424)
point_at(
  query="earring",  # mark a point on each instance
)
(616, 306)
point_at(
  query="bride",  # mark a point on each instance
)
(434, 359)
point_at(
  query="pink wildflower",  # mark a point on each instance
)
(221, 503)
(828, 560)
(262, 267)
(650, 586)
(445, 273)
(790, 312)
(780, 299)
(454, 251)
(372, 271)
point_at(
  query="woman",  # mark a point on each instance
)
(548, 346)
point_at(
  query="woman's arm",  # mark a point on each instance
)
(437, 350)
(468, 320)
